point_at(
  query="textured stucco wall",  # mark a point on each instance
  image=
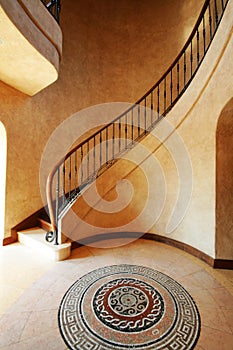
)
(113, 51)
(29, 59)
(224, 183)
(188, 164)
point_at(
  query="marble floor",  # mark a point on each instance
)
(32, 288)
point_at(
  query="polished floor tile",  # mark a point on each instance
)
(32, 288)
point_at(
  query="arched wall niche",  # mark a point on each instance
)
(3, 153)
(224, 183)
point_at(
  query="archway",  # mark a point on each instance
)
(224, 184)
(3, 151)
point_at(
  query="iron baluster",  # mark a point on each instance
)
(75, 172)
(191, 58)
(54, 7)
(63, 182)
(113, 140)
(81, 165)
(69, 177)
(126, 130)
(88, 160)
(204, 35)
(158, 109)
(106, 145)
(145, 118)
(216, 12)
(57, 205)
(164, 96)
(151, 107)
(184, 69)
(58, 10)
(222, 1)
(139, 124)
(100, 149)
(210, 21)
(171, 86)
(94, 150)
(119, 135)
(198, 48)
(132, 125)
(178, 78)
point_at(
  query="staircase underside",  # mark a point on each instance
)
(29, 56)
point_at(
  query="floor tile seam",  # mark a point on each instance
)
(22, 340)
(11, 284)
(188, 274)
(210, 270)
(39, 289)
(224, 285)
(17, 306)
(199, 347)
(21, 332)
(216, 299)
(201, 305)
(9, 314)
(5, 347)
(43, 310)
(223, 307)
(89, 249)
(209, 309)
(7, 310)
(215, 329)
(216, 274)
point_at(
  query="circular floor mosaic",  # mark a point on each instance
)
(128, 307)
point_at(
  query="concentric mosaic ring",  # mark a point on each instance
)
(128, 307)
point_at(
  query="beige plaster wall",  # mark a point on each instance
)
(113, 51)
(224, 183)
(29, 58)
(47, 24)
(187, 158)
(33, 23)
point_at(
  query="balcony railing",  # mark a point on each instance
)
(54, 7)
(71, 176)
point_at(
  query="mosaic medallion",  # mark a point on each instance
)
(128, 307)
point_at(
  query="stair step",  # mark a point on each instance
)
(34, 238)
(44, 224)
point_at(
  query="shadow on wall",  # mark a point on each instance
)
(3, 150)
(224, 183)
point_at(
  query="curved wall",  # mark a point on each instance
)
(196, 117)
(3, 156)
(194, 121)
(224, 183)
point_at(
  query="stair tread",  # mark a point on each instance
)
(35, 238)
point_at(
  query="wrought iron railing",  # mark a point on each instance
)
(54, 7)
(82, 165)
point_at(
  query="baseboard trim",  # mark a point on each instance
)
(31, 221)
(180, 245)
(215, 263)
(223, 264)
(11, 239)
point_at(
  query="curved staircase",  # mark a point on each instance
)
(65, 187)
